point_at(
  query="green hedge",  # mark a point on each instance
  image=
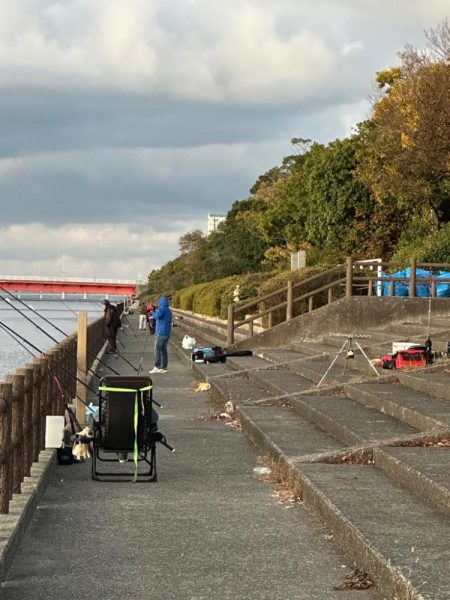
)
(212, 298)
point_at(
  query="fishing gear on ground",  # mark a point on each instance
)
(216, 354)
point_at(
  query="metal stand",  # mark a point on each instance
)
(347, 345)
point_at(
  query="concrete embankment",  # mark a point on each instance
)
(369, 451)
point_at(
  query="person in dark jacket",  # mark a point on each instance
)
(112, 324)
(163, 317)
(151, 321)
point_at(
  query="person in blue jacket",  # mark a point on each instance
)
(163, 326)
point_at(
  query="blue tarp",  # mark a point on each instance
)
(423, 290)
(443, 289)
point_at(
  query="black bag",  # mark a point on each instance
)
(65, 456)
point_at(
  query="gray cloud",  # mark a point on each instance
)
(117, 116)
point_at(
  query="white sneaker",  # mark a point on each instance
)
(163, 370)
(156, 370)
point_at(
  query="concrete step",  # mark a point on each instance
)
(322, 370)
(435, 383)
(236, 389)
(279, 381)
(399, 539)
(423, 470)
(314, 368)
(308, 348)
(330, 346)
(289, 358)
(247, 363)
(275, 380)
(281, 433)
(349, 421)
(419, 409)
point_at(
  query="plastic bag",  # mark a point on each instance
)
(188, 342)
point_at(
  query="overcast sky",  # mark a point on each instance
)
(124, 122)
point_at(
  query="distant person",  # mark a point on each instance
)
(151, 321)
(163, 317)
(237, 293)
(142, 315)
(112, 324)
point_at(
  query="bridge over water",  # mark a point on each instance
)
(70, 285)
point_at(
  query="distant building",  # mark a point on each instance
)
(213, 222)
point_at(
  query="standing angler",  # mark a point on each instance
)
(163, 326)
(112, 324)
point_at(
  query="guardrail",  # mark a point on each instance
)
(40, 388)
(68, 279)
(327, 287)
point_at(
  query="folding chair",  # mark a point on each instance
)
(127, 424)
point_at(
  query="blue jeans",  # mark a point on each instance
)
(161, 357)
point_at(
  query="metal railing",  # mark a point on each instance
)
(67, 279)
(327, 287)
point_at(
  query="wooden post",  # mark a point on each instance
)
(250, 328)
(5, 446)
(330, 295)
(311, 303)
(17, 383)
(27, 373)
(230, 329)
(81, 392)
(349, 278)
(270, 320)
(43, 400)
(36, 408)
(412, 278)
(370, 288)
(290, 296)
(391, 287)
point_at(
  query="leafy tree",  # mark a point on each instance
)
(191, 241)
(404, 151)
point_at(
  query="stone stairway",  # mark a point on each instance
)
(371, 454)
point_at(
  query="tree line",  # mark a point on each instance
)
(384, 191)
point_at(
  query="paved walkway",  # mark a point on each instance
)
(208, 529)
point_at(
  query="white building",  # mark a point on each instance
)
(213, 222)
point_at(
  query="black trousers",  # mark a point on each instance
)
(111, 333)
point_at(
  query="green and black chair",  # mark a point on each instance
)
(127, 425)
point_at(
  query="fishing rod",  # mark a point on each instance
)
(63, 393)
(143, 351)
(23, 339)
(50, 323)
(47, 321)
(19, 339)
(127, 361)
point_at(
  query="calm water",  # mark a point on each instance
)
(62, 314)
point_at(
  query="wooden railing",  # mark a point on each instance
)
(40, 388)
(342, 280)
